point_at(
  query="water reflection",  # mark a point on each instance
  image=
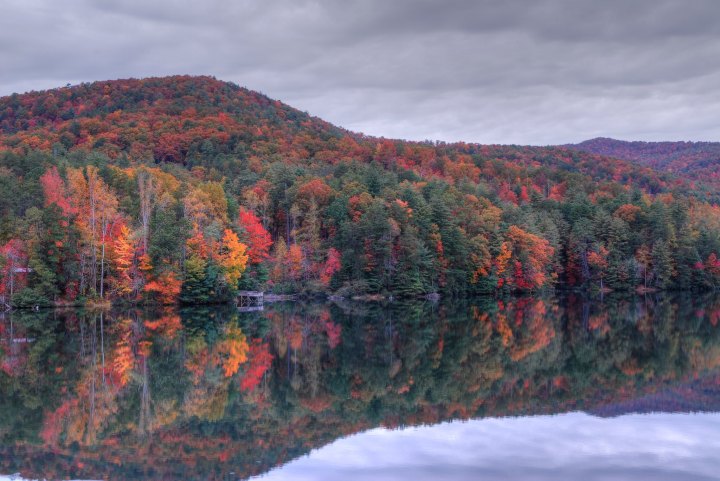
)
(567, 447)
(217, 394)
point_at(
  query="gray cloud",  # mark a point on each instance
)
(542, 448)
(536, 72)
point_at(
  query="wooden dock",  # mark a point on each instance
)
(251, 308)
(250, 301)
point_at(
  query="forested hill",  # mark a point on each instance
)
(699, 161)
(189, 188)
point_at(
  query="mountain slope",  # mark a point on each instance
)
(169, 119)
(698, 161)
(189, 188)
(157, 118)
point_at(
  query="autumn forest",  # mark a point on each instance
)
(189, 189)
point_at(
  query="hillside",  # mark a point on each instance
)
(188, 189)
(698, 161)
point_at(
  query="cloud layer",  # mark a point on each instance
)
(530, 72)
(569, 447)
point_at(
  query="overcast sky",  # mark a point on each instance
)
(569, 447)
(524, 71)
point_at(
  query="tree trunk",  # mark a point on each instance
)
(102, 268)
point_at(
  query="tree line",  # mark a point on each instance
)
(187, 189)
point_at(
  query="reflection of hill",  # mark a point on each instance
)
(205, 393)
(702, 395)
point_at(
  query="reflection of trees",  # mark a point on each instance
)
(211, 387)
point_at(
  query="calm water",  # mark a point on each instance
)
(532, 388)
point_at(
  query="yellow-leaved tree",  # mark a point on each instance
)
(233, 258)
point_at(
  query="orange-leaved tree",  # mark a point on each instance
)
(528, 255)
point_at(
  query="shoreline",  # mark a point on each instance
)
(366, 298)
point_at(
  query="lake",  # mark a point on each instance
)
(532, 388)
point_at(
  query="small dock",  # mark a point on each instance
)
(250, 301)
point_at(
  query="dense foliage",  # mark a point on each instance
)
(188, 189)
(211, 393)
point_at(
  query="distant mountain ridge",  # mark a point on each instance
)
(693, 160)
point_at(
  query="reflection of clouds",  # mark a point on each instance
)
(576, 446)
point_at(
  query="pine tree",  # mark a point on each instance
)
(663, 268)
